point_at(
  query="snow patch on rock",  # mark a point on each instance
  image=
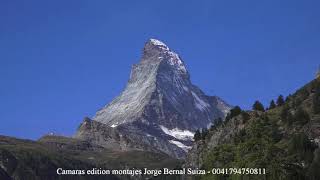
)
(159, 43)
(114, 125)
(180, 145)
(178, 133)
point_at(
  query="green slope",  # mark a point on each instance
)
(283, 140)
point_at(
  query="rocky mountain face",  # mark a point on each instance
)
(159, 110)
(284, 139)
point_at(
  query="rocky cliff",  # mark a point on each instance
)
(159, 109)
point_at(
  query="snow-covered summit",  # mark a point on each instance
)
(157, 42)
(156, 50)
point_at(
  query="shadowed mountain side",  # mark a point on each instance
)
(38, 160)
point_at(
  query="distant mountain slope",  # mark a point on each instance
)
(31, 160)
(284, 139)
(159, 108)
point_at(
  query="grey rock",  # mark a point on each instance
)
(159, 109)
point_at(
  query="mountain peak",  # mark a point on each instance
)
(160, 106)
(156, 51)
(158, 43)
(153, 48)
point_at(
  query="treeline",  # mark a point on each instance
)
(262, 145)
(234, 112)
(258, 106)
(275, 139)
(298, 116)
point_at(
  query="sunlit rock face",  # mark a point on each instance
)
(160, 107)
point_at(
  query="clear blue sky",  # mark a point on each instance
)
(63, 60)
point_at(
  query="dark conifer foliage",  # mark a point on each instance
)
(197, 136)
(280, 100)
(258, 106)
(272, 105)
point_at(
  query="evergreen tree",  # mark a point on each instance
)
(245, 116)
(313, 172)
(197, 136)
(218, 122)
(286, 115)
(301, 116)
(227, 118)
(272, 105)
(316, 101)
(288, 98)
(258, 106)
(280, 101)
(302, 147)
(204, 133)
(235, 111)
